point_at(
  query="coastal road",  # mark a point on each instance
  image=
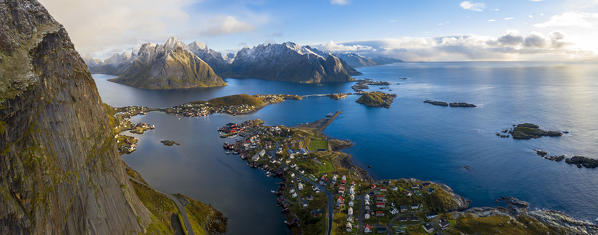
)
(176, 202)
(330, 200)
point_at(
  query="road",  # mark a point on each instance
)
(330, 200)
(176, 202)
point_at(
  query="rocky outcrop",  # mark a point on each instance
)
(582, 161)
(168, 66)
(437, 103)
(290, 62)
(376, 99)
(60, 171)
(562, 222)
(462, 105)
(528, 131)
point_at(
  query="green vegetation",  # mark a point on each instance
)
(376, 99)
(318, 144)
(204, 218)
(528, 131)
(498, 224)
(161, 207)
(235, 100)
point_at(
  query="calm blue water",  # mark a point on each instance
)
(411, 139)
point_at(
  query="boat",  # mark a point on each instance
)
(227, 152)
(273, 191)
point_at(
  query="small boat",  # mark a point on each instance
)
(227, 152)
(273, 191)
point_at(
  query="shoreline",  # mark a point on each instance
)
(352, 164)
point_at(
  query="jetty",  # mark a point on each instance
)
(321, 124)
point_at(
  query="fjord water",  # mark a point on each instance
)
(410, 139)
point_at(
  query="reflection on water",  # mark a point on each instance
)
(411, 139)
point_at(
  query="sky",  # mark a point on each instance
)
(416, 30)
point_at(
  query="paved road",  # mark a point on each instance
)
(330, 200)
(176, 202)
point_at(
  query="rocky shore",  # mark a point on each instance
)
(579, 161)
(526, 131)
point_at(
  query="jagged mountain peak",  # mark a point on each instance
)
(173, 43)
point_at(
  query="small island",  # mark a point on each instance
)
(581, 161)
(376, 99)
(169, 142)
(437, 103)
(526, 131)
(462, 105)
(452, 104)
(363, 84)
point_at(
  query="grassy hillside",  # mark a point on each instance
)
(235, 100)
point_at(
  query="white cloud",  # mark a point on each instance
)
(580, 28)
(333, 46)
(491, 20)
(509, 18)
(473, 6)
(227, 25)
(339, 2)
(536, 0)
(571, 19)
(98, 28)
(512, 46)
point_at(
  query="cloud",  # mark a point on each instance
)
(227, 25)
(509, 18)
(511, 46)
(472, 6)
(571, 19)
(510, 40)
(339, 2)
(99, 28)
(491, 20)
(333, 46)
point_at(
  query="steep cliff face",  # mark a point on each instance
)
(60, 172)
(290, 62)
(168, 66)
(212, 57)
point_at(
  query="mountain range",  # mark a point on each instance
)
(176, 65)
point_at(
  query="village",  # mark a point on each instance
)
(121, 118)
(321, 193)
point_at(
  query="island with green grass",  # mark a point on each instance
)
(376, 99)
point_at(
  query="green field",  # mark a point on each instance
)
(316, 144)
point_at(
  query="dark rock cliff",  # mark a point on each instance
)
(60, 172)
